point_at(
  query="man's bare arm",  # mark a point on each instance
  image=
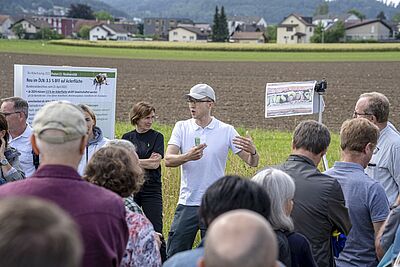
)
(173, 158)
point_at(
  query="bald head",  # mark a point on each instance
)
(240, 238)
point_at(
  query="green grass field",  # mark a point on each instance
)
(166, 51)
(272, 146)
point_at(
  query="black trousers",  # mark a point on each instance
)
(149, 198)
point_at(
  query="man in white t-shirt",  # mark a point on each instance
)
(15, 109)
(200, 146)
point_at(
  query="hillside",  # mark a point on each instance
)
(272, 10)
(21, 7)
(203, 10)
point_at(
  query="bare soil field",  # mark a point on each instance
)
(240, 87)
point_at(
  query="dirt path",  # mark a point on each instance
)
(240, 87)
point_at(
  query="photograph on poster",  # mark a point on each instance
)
(289, 99)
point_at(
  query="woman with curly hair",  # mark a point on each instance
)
(118, 170)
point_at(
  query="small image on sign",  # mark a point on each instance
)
(99, 80)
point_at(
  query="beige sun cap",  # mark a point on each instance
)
(62, 116)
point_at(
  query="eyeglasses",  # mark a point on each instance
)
(192, 100)
(6, 114)
(356, 114)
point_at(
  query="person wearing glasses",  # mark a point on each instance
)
(200, 146)
(384, 165)
(365, 197)
(15, 109)
(149, 145)
(10, 168)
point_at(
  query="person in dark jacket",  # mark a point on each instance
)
(319, 206)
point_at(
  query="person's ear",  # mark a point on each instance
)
(34, 145)
(2, 133)
(369, 148)
(83, 144)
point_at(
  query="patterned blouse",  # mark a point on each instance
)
(142, 249)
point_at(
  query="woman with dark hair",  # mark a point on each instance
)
(150, 149)
(118, 170)
(10, 168)
(280, 188)
(226, 194)
(96, 140)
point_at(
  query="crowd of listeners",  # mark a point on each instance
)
(71, 197)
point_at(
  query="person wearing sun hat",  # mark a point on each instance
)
(59, 137)
(200, 146)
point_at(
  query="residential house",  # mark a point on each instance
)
(372, 29)
(248, 37)
(188, 34)
(295, 29)
(32, 26)
(5, 27)
(246, 23)
(161, 26)
(79, 23)
(109, 32)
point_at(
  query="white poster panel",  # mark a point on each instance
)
(95, 87)
(289, 99)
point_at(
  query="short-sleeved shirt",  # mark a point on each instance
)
(198, 175)
(147, 143)
(367, 204)
(23, 144)
(384, 165)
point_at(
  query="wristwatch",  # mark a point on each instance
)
(3, 162)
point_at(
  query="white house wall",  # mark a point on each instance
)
(288, 37)
(182, 35)
(97, 33)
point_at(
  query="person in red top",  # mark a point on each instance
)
(59, 136)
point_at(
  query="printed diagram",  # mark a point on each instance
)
(288, 99)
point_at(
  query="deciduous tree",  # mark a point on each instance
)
(357, 13)
(84, 32)
(80, 11)
(19, 30)
(103, 15)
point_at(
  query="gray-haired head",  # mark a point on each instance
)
(378, 105)
(311, 136)
(122, 143)
(280, 188)
(20, 104)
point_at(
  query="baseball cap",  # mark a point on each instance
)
(202, 90)
(59, 115)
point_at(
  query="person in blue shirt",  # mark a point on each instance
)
(365, 197)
